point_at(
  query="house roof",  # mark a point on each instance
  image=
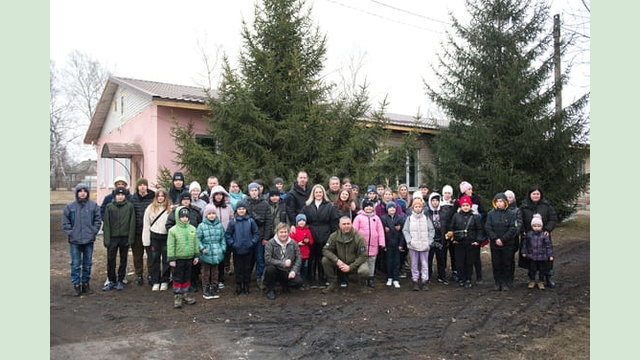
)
(157, 91)
(87, 166)
(121, 150)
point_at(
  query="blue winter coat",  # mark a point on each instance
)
(212, 242)
(81, 220)
(242, 234)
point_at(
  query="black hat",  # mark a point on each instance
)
(366, 202)
(121, 190)
(177, 176)
(274, 192)
(278, 180)
(242, 204)
(183, 212)
(185, 195)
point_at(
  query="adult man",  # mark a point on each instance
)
(81, 222)
(140, 200)
(206, 195)
(345, 251)
(177, 187)
(282, 260)
(334, 188)
(297, 196)
(119, 181)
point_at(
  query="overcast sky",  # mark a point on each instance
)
(162, 40)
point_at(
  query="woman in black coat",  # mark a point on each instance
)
(322, 219)
(535, 203)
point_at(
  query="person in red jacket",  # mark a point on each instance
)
(302, 235)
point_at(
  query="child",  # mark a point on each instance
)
(119, 234)
(302, 235)
(182, 253)
(213, 247)
(537, 247)
(369, 225)
(501, 228)
(392, 224)
(466, 232)
(418, 231)
(439, 216)
(242, 236)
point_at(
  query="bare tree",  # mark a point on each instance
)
(84, 81)
(211, 65)
(59, 129)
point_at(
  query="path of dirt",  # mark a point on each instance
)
(445, 323)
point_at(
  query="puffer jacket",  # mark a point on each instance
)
(393, 237)
(195, 217)
(542, 207)
(298, 235)
(418, 232)
(501, 224)
(212, 242)
(140, 204)
(475, 231)
(322, 220)
(537, 246)
(273, 255)
(371, 229)
(81, 220)
(260, 211)
(181, 240)
(349, 247)
(119, 221)
(242, 234)
(223, 209)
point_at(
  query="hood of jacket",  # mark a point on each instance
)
(502, 196)
(219, 189)
(433, 194)
(82, 186)
(177, 216)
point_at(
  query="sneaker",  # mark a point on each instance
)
(220, 285)
(156, 287)
(331, 288)
(344, 284)
(541, 285)
(416, 286)
(271, 294)
(124, 281)
(389, 282)
(139, 280)
(164, 286)
(108, 286)
(403, 275)
(149, 280)
(444, 281)
(531, 285)
(467, 285)
(86, 288)
(396, 284)
(478, 281)
(214, 293)
(425, 286)
(177, 301)
(119, 285)
(188, 298)
(77, 289)
(505, 287)
(304, 287)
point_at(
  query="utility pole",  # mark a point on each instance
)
(556, 61)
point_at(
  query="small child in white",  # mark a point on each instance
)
(538, 249)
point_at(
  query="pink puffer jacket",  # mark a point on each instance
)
(371, 229)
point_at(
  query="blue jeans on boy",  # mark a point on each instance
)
(81, 261)
(259, 256)
(304, 267)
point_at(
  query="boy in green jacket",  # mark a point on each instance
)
(182, 253)
(119, 233)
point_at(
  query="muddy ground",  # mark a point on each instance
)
(446, 322)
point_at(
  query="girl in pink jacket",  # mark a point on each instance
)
(369, 225)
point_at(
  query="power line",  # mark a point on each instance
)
(409, 12)
(384, 17)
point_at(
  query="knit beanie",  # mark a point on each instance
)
(242, 204)
(278, 180)
(121, 190)
(209, 209)
(185, 195)
(301, 217)
(254, 185)
(464, 186)
(366, 202)
(177, 176)
(183, 212)
(447, 188)
(537, 220)
(465, 200)
(195, 185)
(371, 188)
(120, 178)
(391, 204)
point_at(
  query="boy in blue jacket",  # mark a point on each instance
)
(242, 236)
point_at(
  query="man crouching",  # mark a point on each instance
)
(282, 259)
(346, 251)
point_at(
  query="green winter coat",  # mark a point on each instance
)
(119, 220)
(181, 240)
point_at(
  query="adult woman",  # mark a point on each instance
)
(322, 220)
(154, 235)
(404, 198)
(535, 203)
(381, 208)
(235, 194)
(345, 205)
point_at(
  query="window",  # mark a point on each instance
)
(413, 169)
(209, 142)
(121, 105)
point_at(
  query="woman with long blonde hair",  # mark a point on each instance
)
(322, 219)
(154, 235)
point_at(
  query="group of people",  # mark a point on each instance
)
(307, 237)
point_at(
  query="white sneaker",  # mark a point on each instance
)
(220, 285)
(164, 286)
(155, 287)
(389, 282)
(396, 284)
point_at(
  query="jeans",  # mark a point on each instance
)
(259, 254)
(81, 261)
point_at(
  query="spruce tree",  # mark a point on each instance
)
(495, 85)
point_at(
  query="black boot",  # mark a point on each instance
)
(239, 287)
(370, 282)
(77, 289)
(86, 288)
(550, 283)
(245, 287)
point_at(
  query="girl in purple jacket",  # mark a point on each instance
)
(538, 249)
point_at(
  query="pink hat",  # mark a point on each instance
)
(465, 200)
(537, 220)
(464, 186)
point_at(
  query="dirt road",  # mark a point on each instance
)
(446, 322)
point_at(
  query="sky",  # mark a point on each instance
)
(394, 42)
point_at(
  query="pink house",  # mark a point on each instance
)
(131, 128)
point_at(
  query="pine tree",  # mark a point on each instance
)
(272, 116)
(495, 85)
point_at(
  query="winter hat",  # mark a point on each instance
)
(371, 188)
(121, 190)
(537, 220)
(464, 186)
(185, 195)
(417, 200)
(209, 209)
(194, 185)
(500, 196)
(354, 186)
(177, 176)
(274, 192)
(120, 178)
(465, 200)
(242, 204)
(254, 185)
(367, 202)
(301, 217)
(447, 188)
(142, 181)
(508, 193)
(184, 211)
(278, 180)
(391, 204)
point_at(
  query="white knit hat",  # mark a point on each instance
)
(194, 185)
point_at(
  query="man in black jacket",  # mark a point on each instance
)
(141, 199)
(298, 196)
